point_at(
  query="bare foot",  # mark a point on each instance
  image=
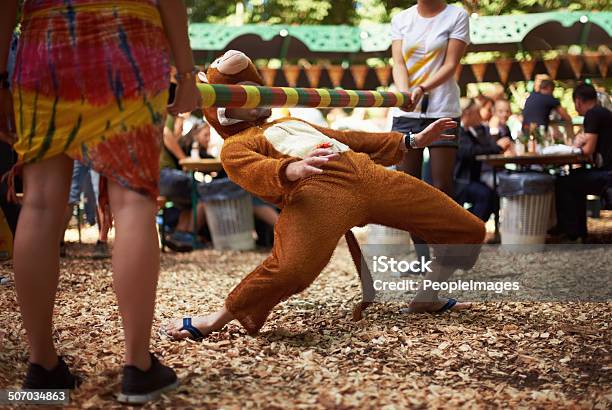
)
(205, 324)
(433, 307)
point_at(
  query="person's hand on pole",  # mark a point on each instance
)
(187, 97)
(174, 19)
(415, 96)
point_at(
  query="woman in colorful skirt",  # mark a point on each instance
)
(90, 83)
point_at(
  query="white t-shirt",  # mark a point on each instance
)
(424, 42)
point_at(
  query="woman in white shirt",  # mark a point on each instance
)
(429, 39)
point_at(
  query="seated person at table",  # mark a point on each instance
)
(498, 124)
(486, 107)
(175, 184)
(540, 104)
(596, 141)
(498, 128)
(474, 140)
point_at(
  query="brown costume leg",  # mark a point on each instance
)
(412, 205)
(305, 237)
(455, 234)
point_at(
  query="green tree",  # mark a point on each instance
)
(275, 11)
(353, 12)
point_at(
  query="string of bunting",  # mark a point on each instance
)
(249, 96)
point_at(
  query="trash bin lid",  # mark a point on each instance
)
(525, 183)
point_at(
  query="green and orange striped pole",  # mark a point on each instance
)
(250, 96)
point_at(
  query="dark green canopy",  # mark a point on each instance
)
(528, 32)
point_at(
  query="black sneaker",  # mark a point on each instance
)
(180, 242)
(62, 249)
(101, 251)
(139, 387)
(60, 377)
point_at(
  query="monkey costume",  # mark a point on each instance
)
(354, 190)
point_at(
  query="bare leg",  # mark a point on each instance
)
(67, 217)
(36, 259)
(185, 222)
(102, 233)
(266, 214)
(205, 324)
(135, 269)
(201, 216)
(412, 164)
(442, 167)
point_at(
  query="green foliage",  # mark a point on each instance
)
(354, 12)
(275, 11)
(496, 7)
(209, 11)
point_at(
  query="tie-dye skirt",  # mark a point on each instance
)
(90, 81)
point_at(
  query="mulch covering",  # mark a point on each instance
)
(311, 355)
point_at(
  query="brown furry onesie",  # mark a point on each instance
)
(318, 210)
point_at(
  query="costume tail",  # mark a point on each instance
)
(365, 277)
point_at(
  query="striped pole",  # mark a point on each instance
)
(250, 96)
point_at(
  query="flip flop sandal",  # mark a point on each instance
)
(195, 334)
(450, 303)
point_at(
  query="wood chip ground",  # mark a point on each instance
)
(311, 355)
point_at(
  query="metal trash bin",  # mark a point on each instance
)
(527, 209)
(229, 214)
(380, 234)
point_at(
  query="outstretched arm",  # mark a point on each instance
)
(174, 19)
(387, 148)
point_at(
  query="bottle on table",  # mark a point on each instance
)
(195, 150)
(521, 142)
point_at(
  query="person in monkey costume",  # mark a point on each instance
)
(326, 183)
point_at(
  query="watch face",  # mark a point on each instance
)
(413, 142)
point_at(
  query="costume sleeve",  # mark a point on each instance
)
(245, 164)
(384, 148)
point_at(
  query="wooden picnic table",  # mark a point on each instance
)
(500, 161)
(205, 165)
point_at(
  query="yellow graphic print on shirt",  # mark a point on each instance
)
(419, 65)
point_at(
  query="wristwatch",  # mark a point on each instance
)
(410, 140)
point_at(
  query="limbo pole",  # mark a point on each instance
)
(250, 96)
